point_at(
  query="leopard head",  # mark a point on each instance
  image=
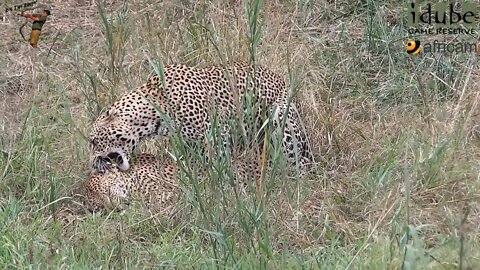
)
(112, 139)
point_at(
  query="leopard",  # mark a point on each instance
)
(155, 180)
(151, 179)
(186, 101)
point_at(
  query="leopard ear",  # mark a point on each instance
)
(109, 116)
(112, 112)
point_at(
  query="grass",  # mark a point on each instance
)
(396, 137)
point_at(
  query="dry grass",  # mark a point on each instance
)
(397, 139)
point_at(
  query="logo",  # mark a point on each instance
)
(455, 22)
(413, 46)
(450, 47)
(442, 18)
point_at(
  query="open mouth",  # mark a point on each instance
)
(115, 157)
(104, 163)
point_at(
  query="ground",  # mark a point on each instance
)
(397, 138)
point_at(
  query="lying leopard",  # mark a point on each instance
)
(152, 180)
(184, 101)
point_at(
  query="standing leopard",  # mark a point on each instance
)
(184, 101)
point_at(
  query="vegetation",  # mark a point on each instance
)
(397, 140)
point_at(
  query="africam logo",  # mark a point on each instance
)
(442, 18)
(414, 47)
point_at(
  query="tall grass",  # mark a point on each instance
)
(225, 216)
